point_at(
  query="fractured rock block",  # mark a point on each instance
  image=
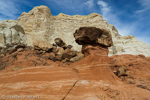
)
(121, 71)
(93, 35)
(60, 43)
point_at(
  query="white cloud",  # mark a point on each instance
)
(89, 3)
(104, 7)
(107, 13)
(145, 4)
(9, 9)
(69, 6)
(139, 11)
(126, 29)
(102, 3)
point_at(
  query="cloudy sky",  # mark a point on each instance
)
(130, 17)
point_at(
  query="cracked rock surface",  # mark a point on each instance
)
(29, 73)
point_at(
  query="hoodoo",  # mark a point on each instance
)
(95, 43)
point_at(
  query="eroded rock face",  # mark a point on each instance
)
(94, 49)
(95, 53)
(129, 45)
(93, 35)
(134, 64)
(37, 25)
(40, 25)
(11, 32)
(91, 78)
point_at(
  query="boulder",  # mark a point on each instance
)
(58, 57)
(2, 55)
(66, 60)
(60, 43)
(43, 46)
(51, 57)
(41, 52)
(77, 58)
(20, 49)
(68, 53)
(16, 68)
(93, 35)
(59, 53)
(69, 46)
(54, 48)
(78, 53)
(121, 71)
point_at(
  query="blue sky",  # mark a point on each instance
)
(130, 17)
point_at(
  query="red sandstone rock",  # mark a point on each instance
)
(137, 66)
(96, 49)
(95, 65)
(48, 83)
(87, 79)
(91, 78)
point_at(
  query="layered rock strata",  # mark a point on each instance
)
(40, 25)
(41, 53)
(95, 50)
(30, 75)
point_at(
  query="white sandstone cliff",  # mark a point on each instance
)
(40, 26)
(11, 32)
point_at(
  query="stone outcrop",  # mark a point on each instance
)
(11, 48)
(78, 57)
(40, 25)
(135, 65)
(81, 80)
(45, 50)
(129, 45)
(93, 35)
(26, 74)
(11, 32)
(95, 53)
(59, 42)
(68, 53)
